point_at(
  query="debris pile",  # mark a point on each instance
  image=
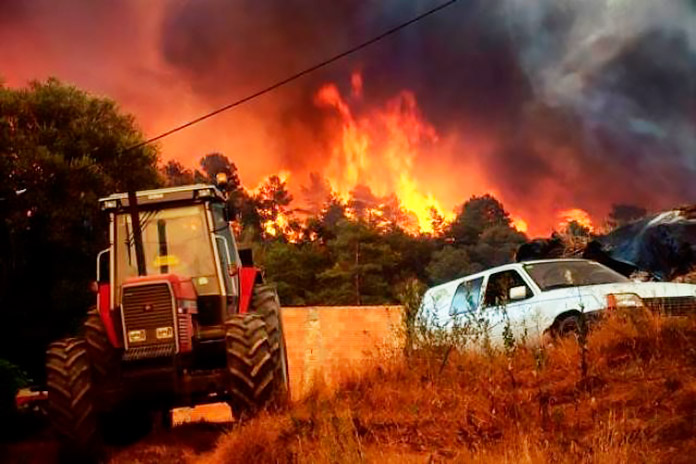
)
(662, 246)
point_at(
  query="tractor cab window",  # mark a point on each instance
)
(175, 240)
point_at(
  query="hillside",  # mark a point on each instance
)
(635, 401)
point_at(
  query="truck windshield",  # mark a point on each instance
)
(560, 274)
(175, 240)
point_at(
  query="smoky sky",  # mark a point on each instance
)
(459, 62)
(606, 87)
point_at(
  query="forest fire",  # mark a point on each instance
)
(377, 150)
(430, 120)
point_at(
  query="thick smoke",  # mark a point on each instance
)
(548, 104)
(586, 102)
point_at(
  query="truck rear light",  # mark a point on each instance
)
(164, 332)
(623, 300)
(135, 336)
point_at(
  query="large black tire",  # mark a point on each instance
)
(71, 408)
(256, 360)
(568, 326)
(265, 302)
(105, 359)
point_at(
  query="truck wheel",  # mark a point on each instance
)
(104, 357)
(569, 325)
(71, 408)
(265, 302)
(250, 366)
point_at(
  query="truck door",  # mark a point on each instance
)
(499, 310)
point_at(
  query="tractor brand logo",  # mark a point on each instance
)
(147, 308)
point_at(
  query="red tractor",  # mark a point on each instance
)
(182, 318)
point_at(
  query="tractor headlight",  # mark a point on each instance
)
(164, 332)
(623, 300)
(135, 336)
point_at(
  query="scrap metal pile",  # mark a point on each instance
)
(661, 246)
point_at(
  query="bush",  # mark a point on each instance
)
(11, 380)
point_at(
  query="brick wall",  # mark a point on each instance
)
(325, 342)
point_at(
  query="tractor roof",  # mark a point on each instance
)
(197, 192)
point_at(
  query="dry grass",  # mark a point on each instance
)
(637, 402)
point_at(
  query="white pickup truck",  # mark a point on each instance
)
(548, 295)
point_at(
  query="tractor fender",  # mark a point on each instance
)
(248, 277)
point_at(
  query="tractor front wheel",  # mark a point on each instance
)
(71, 408)
(265, 302)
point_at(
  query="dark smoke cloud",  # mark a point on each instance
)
(594, 98)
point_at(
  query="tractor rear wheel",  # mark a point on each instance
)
(71, 408)
(256, 359)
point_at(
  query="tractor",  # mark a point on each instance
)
(182, 317)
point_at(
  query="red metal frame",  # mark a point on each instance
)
(247, 278)
(107, 314)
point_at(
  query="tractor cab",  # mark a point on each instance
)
(190, 283)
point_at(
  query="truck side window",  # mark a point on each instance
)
(467, 297)
(499, 285)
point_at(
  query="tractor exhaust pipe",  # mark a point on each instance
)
(137, 232)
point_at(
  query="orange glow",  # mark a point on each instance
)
(356, 83)
(378, 150)
(520, 224)
(578, 215)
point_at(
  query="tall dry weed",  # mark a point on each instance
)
(441, 403)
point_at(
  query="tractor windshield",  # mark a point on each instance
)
(175, 240)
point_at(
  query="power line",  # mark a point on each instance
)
(296, 75)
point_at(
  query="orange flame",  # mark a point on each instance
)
(378, 150)
(578, 215)
(520, 224)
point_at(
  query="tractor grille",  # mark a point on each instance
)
(672, 306)
(148, 307)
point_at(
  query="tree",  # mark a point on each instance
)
(477, 215)
(575, 229)
(214, 163)
(295, 269)
(272, 205)
(176, 174)
(360, 261)
(438, 222)
(323, 226)
(450, 263)
(496, 246)
(60, 150)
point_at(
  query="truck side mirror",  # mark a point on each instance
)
(230, 212)
(518, 293)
